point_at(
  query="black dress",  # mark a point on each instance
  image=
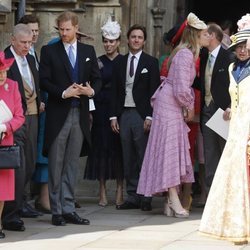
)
(105, 159)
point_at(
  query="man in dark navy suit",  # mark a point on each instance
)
(136, 77)
(69, 73)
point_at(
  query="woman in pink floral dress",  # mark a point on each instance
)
(167, 161)
(10, 95)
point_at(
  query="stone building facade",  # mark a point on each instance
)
(158, 17)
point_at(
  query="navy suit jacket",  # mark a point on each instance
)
(146, 81)
(220, 78)
(55, 77)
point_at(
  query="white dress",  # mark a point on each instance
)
(226, 214)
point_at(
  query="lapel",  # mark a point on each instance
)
(123, 68)
(81, 60)
(218, 64)
(14, 73)
(139, 67)
(245, 73)
(64, 57)
(32, 64)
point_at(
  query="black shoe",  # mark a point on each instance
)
(146, 206)
(77, 205)
(58, 220)
(2, 235)
(200, 205)
(39, 207)
(25, 213)
(33, 210)
(16, 225)
(74, 218)
(127, 205)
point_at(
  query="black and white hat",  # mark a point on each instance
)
(239, 37)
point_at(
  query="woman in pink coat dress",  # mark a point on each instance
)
(9, 93)
(167, 162)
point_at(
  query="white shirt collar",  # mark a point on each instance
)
(17, 57)
(137, 55)
(66, 45)
(215, 51)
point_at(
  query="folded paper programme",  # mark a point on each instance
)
(218, 124)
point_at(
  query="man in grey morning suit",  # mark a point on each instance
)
(24, 71)
(136, 77)
(67, 69)
(214, 94)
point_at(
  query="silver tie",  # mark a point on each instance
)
(25, 73)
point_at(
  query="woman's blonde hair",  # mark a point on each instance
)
(190, 40)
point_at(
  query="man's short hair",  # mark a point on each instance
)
(137, 27)
(67, 16)
(21, 29)
(29, 19)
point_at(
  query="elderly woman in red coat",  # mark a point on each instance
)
(10, 96)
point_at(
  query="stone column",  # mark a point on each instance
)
(158, 14)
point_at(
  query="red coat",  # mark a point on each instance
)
(9, 93)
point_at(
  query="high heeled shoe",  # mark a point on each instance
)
(103, 203)
(170, 212)
(119, 198)
(2, 235)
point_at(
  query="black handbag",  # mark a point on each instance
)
(10, 157)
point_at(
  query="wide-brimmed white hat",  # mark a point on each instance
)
(111, 29)
(239, 37)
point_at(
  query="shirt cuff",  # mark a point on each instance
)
(112, 118)
(149, 118)
(90, 96)
(63, 97)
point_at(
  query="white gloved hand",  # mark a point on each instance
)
(3, 128)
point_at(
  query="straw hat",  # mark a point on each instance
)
(5, 63)
(195, 22)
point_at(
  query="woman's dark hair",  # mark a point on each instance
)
(168, 36)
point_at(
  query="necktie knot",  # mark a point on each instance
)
(131, 69)
(71, 56)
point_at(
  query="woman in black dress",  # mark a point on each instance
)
(105, 160)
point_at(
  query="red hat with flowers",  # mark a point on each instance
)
(5, 63)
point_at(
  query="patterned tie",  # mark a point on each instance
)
(71, 56)
(131, 69)
(25, 73)
(210, 61)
